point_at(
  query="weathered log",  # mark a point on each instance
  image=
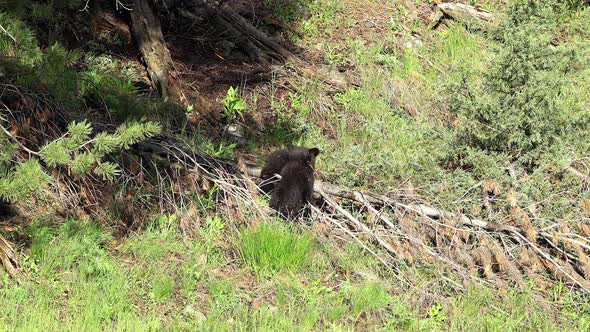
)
(147, 31)
(258, 45)
(461, 12)
(264, 41)
(436, 17)
(231, 33)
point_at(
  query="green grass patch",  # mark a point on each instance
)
(510, 310)
(377, 145)
(162, 288)
(72, 283)
(369, 297)
(275, 247)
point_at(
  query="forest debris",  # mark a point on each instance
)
(416, 239)
(259, 46)
(7, 257)
(463, 13)
(262, 47)
(362, 227)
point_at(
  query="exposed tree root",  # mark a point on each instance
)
(259, 46)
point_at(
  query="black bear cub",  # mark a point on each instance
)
(5, 209)
(275, 163)
(296, 185)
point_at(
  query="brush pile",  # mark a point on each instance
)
(396, 228)
(400, 229)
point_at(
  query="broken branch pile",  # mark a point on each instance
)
(397, 229)
(393, 229)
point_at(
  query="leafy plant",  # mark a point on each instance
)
(233, 106)
(436, 315)
(214, 226)
(521, 109)
(83, 155)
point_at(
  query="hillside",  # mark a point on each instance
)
(451, 189)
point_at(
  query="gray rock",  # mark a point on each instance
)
(235, 132)
(194, 313)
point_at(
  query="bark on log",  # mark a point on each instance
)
(258, 45)
(463, 13)
(8, 258)
(147, 31)
(231, 33)
(262, 40)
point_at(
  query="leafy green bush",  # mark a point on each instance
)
(520, 109)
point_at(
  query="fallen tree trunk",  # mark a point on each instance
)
(464, 13)
(262, 40)
(259, 46)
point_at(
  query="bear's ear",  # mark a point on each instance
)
(314, 151)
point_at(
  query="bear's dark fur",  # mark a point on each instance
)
(275, 163)
(296, 185)
(6, 209)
